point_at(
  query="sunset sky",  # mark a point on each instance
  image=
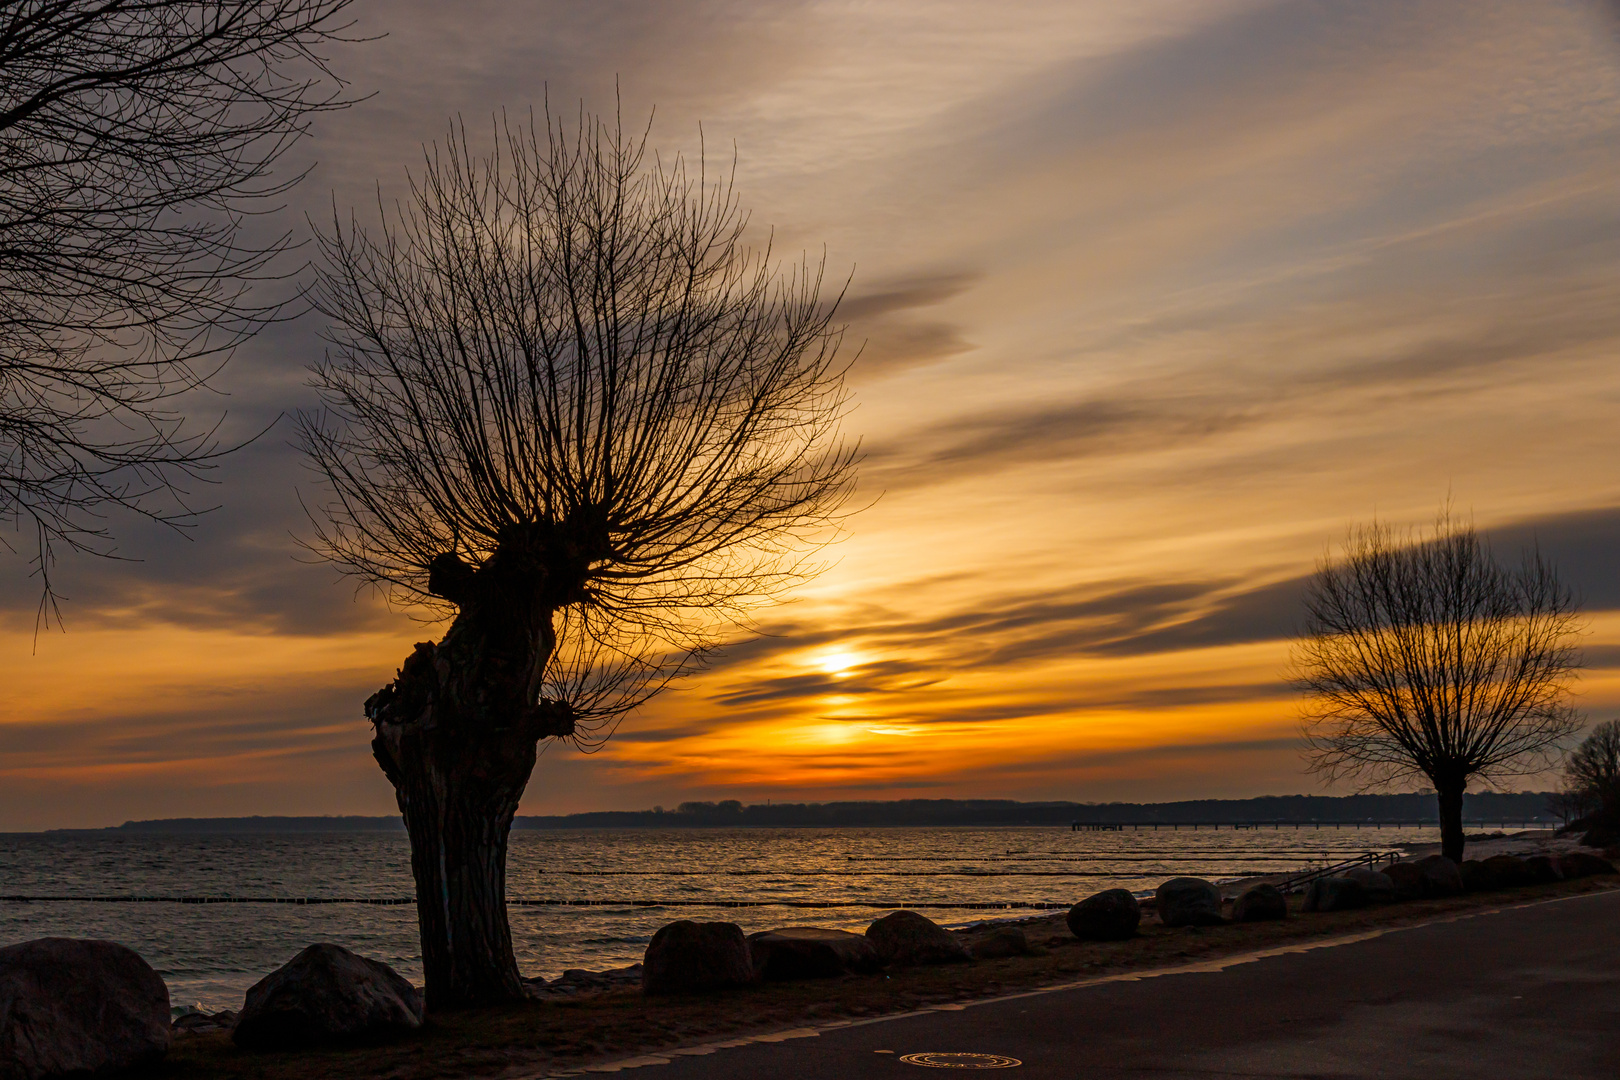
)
(1158, 299)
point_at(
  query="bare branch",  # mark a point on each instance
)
(564, 338)
(1425, 657)
(136, 136)
(566, 402)
(1592, 774)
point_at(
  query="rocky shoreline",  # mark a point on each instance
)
(329, 997)
(986, 938)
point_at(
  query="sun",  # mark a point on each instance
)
(838, 663)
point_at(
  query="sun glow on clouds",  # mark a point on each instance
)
(1155, 299)
(838, 663)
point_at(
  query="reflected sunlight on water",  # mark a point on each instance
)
(210, 954)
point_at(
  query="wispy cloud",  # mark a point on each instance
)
(1156, 299)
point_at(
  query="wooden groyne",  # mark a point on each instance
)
(1173, 826)
(398, 901)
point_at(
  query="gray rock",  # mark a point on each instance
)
(75, 1007)
(579, 982)
(1188, 901)
(201, 1023)
(1578, 864)
(908, 939)
(1475, 877)
(326, 994)
(810, 952)
(1335, 894)
(1111, 915)
(1507, 871)
(1544, 868)
(1441, 876)
(1260, 903)
(1424, 879)
(691, 957)
(1380, 889)
(1408, 880)
(631, 974)
(1602, 835)
(1007, 941)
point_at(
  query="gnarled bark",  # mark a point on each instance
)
(456, 734)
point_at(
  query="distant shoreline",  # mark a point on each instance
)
(1410, 809)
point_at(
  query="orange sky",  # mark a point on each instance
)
(1157, 299)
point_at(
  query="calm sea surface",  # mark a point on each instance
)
(210, 954)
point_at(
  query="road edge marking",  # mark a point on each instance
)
(664, 1057)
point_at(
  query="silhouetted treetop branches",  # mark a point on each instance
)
(135, 138)
(1425, 656)
(567, 347)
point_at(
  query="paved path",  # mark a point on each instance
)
(1530, 992)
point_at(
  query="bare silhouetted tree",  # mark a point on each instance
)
(1570, 804)
(1425, 657)
(135, 135)
(566, 403)
(1592, 774)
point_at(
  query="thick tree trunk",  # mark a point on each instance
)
(1449, 792)
(458, 797)
(456, 734)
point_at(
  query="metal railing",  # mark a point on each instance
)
(1370, 860)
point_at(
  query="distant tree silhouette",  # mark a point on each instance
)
(1592, 775)
(135, 135)
(566, 404)
(1425, 657)
(1571, 804)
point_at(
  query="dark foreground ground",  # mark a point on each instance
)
(1531, 991)
(1488, 986)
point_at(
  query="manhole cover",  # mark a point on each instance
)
(962, 1061)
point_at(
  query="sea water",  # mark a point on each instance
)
(591, 898)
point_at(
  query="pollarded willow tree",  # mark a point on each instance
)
(1426, 657)
(568, 405)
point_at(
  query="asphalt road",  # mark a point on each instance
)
(1528, 992)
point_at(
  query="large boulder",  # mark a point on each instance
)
(1578, 864)
(1423, 879)
(1112, 915)
(71, 1007)
(691, 957)
(1475, 877)
(1260, 903)
(1602, 835)
(810, 952)
(1407, 879)
(1543, 869)
(1441, 877)
(908, 939)
(1188, 901)
(1508, 871)
(1380, 889)
(326, 994)
(1335, 894)
(1003, 942)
